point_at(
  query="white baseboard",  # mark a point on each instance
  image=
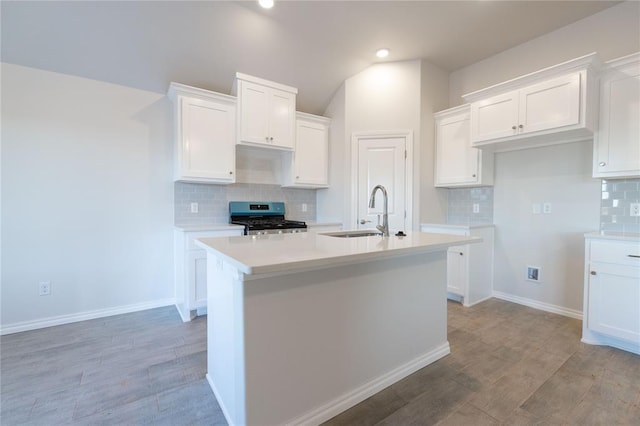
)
(223, 407)
(359, 394)
(560, 310)
(82, 316)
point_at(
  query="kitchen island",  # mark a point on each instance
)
(303, 326)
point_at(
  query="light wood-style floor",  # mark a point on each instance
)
(509, 365)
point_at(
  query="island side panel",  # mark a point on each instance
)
(225, 338)
(319, 342)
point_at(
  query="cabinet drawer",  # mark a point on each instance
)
(623, 253)
(190, 237)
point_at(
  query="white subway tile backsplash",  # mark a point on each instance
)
(461, 201)
(213, 201)
(615, 209)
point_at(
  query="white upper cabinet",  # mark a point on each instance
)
(457, 163)
(266, 113)
(204, 135)
(551, 106)
(616, 149)
(308, 166)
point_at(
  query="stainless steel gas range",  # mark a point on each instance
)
(261, 218)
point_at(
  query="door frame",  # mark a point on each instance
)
(408, 171)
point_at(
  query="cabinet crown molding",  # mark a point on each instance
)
(311, 117)
(590, 62)
(262, 82)
(179, 89)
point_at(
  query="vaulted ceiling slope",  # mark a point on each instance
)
(311, 45)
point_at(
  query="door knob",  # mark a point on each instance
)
(362, 221)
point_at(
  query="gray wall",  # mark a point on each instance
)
(87, 197)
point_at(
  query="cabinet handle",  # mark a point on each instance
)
(521, 127)
(602, 164)
(267, 138)
(297, 177)
(461, 253)
(635, 256)
(230, 173)
(271, 138)
(593, 273)
(513, 127)
(473, 175)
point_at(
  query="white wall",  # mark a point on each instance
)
(332, 204)
(434, 96)
(560, 174)
(87, 198)
(388, 96)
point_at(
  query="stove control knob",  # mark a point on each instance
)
(280, 231)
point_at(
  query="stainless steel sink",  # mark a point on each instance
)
(353, 234)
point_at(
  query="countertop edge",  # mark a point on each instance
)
(610, 235)
(283, 268)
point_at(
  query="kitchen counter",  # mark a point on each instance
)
(463, 226)
(610, 235)
(208, 227)
(301, 327)
(282, 253)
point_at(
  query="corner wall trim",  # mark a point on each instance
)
(82, 316)
(535, 304)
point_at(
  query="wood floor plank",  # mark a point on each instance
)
(509, 365)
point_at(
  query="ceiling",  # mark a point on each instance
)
(311, 45)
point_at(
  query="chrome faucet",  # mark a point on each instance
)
(384, 228)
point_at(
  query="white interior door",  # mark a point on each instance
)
(381, 161)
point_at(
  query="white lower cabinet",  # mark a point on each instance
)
(191, 268)
(469, 267)
(612, 294)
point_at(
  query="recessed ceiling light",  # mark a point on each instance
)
(382, 53)
(267, 4)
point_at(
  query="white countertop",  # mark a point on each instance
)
(208, 227)
(459, 225)
(610, 235)
(283, 253)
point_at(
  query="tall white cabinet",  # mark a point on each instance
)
(458, 164)
(308, 166)
(616, 147)
(469, 267)
(611, 314)
(266, 113)
(204, 126)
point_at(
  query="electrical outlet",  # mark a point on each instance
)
(304, 207)
(635, 209)
(533, 273)
(45, 288)
(546, 208)
(476, 208)
(194, 207)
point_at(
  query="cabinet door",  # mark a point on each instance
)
(456, 271)
(551, 104)
(282, 119)
(311, 156)
(254, 113)
(617, 146)
(207, 141)
(614, 301)
(496, 117)
(456, 161)
(197, 278)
